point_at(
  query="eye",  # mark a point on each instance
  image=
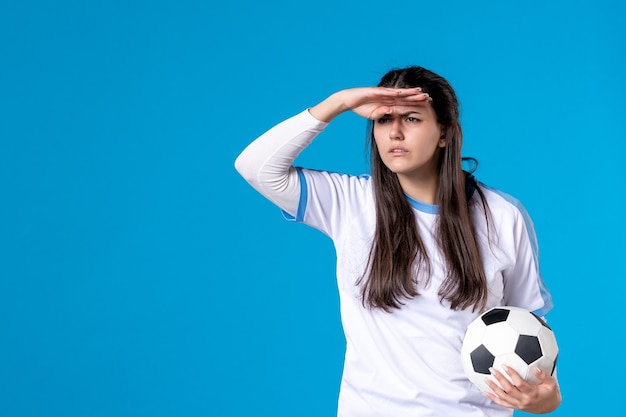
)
(413, 119)
(383, 120)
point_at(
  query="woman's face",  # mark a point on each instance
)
(408, 142)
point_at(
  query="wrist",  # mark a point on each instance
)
(328, 109)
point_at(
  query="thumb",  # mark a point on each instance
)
(380, 112)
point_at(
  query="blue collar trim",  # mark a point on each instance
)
(421, 206)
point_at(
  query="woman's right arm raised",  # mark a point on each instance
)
(267, 163)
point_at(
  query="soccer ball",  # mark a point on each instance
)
(508, 336)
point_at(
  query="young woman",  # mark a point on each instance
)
(422, 249)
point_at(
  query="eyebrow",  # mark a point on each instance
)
(409, 112)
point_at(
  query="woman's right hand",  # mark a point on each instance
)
(369, 102)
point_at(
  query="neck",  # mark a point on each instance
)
(423, 189)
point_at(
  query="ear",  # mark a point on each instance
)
(442, 137)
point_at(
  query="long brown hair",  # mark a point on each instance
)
(398, 255)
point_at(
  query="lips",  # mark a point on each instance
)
(397, 151)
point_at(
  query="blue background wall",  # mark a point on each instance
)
(140, 276)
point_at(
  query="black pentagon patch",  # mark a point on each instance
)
(496, 315)
(528, 348)
(482, 360)
(543, 323)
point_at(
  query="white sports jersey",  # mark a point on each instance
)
(406, 362)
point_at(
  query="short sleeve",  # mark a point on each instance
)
(523, 283)
(327, 199)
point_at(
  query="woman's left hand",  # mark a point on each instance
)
(542, 397)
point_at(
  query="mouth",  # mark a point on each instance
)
(397, 151)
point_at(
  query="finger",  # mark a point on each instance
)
(540, 374)
(514, 376)
(517, 381)
(401, 91)
(497, 387)
(506, 385)
(499, 395)
(498, 400)
(378, 101)
(412, 100)
(409, 101)
(415, 98)
(380, 111)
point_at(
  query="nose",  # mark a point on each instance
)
(395, 131)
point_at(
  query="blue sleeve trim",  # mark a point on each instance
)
(303, 199)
